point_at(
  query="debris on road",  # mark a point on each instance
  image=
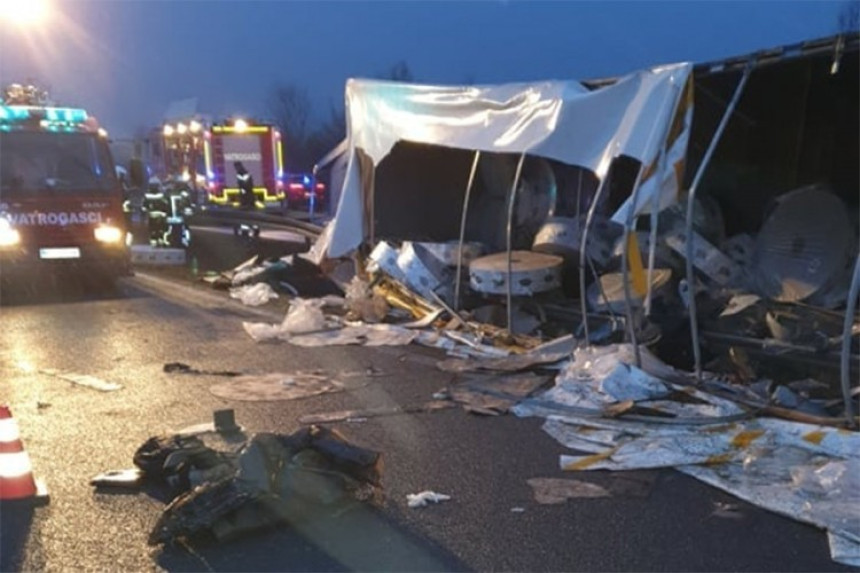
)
(124, 479)
(276, 386)
(352, 415)
(551, 491)
(727, 510)
(254, 295)
(83, 380)
(493, 395)
(268, 479)
(182, 368)
(425, 498)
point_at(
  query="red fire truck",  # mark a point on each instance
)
(257, 147)
(60, 199)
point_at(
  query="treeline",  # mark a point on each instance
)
(306, 137)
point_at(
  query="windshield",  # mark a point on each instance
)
(66, 163)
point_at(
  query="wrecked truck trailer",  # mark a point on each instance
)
(524, 181)
(641, 253)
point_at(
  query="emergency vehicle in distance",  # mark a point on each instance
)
(60, 199)
(257, 147)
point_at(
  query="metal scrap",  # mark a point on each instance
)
(514, 363)
(84, 380)
(493, 394)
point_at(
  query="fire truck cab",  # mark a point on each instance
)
(60, 199)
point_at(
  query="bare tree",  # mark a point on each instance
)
(291, 107)
(399, 72)
(849, 17)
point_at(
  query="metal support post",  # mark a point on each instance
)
(463, 229)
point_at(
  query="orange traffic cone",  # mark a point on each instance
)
(16, 472)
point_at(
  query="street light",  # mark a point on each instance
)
(24, 12)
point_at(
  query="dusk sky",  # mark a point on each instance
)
(126, 60)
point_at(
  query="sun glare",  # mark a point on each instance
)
(24, 12)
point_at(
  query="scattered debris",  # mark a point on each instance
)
(505, 364)
(493, 395)
(363, 304)
(802, 470)
(739, 303)
(347, 415)
(276, 386)
(83, 380)
(124, 479)
(727, 510)
(254, 295)
(270, 480)
(182, 368)
(551, 491)
(415, 500)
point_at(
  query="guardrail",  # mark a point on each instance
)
(306, 228)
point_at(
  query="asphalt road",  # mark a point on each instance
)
(73, 432)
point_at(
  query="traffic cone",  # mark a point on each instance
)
(16, 473)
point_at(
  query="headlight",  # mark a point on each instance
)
(8, 236)
(108, 234)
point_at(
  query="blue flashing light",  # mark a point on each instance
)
(73, 115)
(307, 180)
(14, 112)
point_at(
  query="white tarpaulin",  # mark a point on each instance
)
(561, 120)
(807, 472)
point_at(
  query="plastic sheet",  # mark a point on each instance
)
(304, 315)
(254, 295)
(806, 472)
(415, 500)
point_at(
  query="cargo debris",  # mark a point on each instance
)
(271, 479)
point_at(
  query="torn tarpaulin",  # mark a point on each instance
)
(807, 472)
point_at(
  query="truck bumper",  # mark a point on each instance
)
(109, 261)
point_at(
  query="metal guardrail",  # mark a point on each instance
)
(306, 228)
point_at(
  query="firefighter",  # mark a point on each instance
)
(156, 205)
(245, 183)
(178, 233)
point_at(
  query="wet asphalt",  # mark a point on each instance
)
(126, 335)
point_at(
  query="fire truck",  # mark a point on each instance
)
(60, 199)
(239, 143)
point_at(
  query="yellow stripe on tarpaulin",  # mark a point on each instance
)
(718, 459)
(744, 439)
(637, 270)
(815, 437)
(588, 461)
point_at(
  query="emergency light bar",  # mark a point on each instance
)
(61, 114)
(232, 129)
(51, 118)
